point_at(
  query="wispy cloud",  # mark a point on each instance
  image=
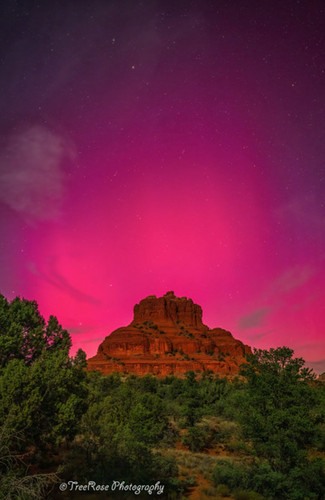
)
(54, 278)
(31, 173)
(253, 319)
(303, 210)
(261, 335)
(276, 294)
(317, 366)
(101, 331)
(87, 341)
(291, 279)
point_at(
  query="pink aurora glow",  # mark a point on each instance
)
(184, 156)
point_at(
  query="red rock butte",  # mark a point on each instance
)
(167, 337)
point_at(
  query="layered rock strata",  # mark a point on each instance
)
(167, 336)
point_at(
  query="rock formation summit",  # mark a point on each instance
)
(166, 337)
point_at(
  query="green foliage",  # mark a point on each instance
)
(226, 472)
(192, 408)
(247, 495)
(190, 481)
(175, 389)
(119, 423)
(196, 439)
(225, 431)
(278, 417)
(277, 414)
(223, 490)
(24, 334)
(238, 447)
(149, 383)
(124, 421)
(41, 389)
(46, 399)
(262, 478)
(42, 395)
(214, 394)
(278, 361)
(147, 419)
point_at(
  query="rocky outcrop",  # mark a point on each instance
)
(167, 336)
(168, 309)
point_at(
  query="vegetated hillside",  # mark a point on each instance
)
(167, 336)
(201, 436)
(208, 437)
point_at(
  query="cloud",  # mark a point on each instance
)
(54, 278)
(31, 173)
(292, 278)
(259, 336)
(253, 319)
(75, 331)
(317, 366)
(276, 294)
(303, 211)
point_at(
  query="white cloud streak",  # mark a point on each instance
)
(31, 173)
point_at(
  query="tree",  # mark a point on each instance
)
(196, 438)
(121, 426)
(24, 333)
(147, 419)
(278, 417)
(45, 400)
(192, 406)
(42, 389)
(42, 394)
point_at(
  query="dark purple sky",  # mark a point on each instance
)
(154, 146)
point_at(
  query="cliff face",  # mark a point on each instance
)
(168, 310)
(167, 336)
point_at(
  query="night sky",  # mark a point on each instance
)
(154, 146)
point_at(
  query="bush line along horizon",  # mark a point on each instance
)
(260, 435)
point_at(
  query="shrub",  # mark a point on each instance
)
(237, 447)
(226, 472)
(209, 491)
(265, 480)
(223, 490)
(190, 481)
(247, 495)
(225, 431)
(195, 438)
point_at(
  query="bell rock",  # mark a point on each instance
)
(167, 336)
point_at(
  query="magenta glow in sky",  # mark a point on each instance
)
(156, 147)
